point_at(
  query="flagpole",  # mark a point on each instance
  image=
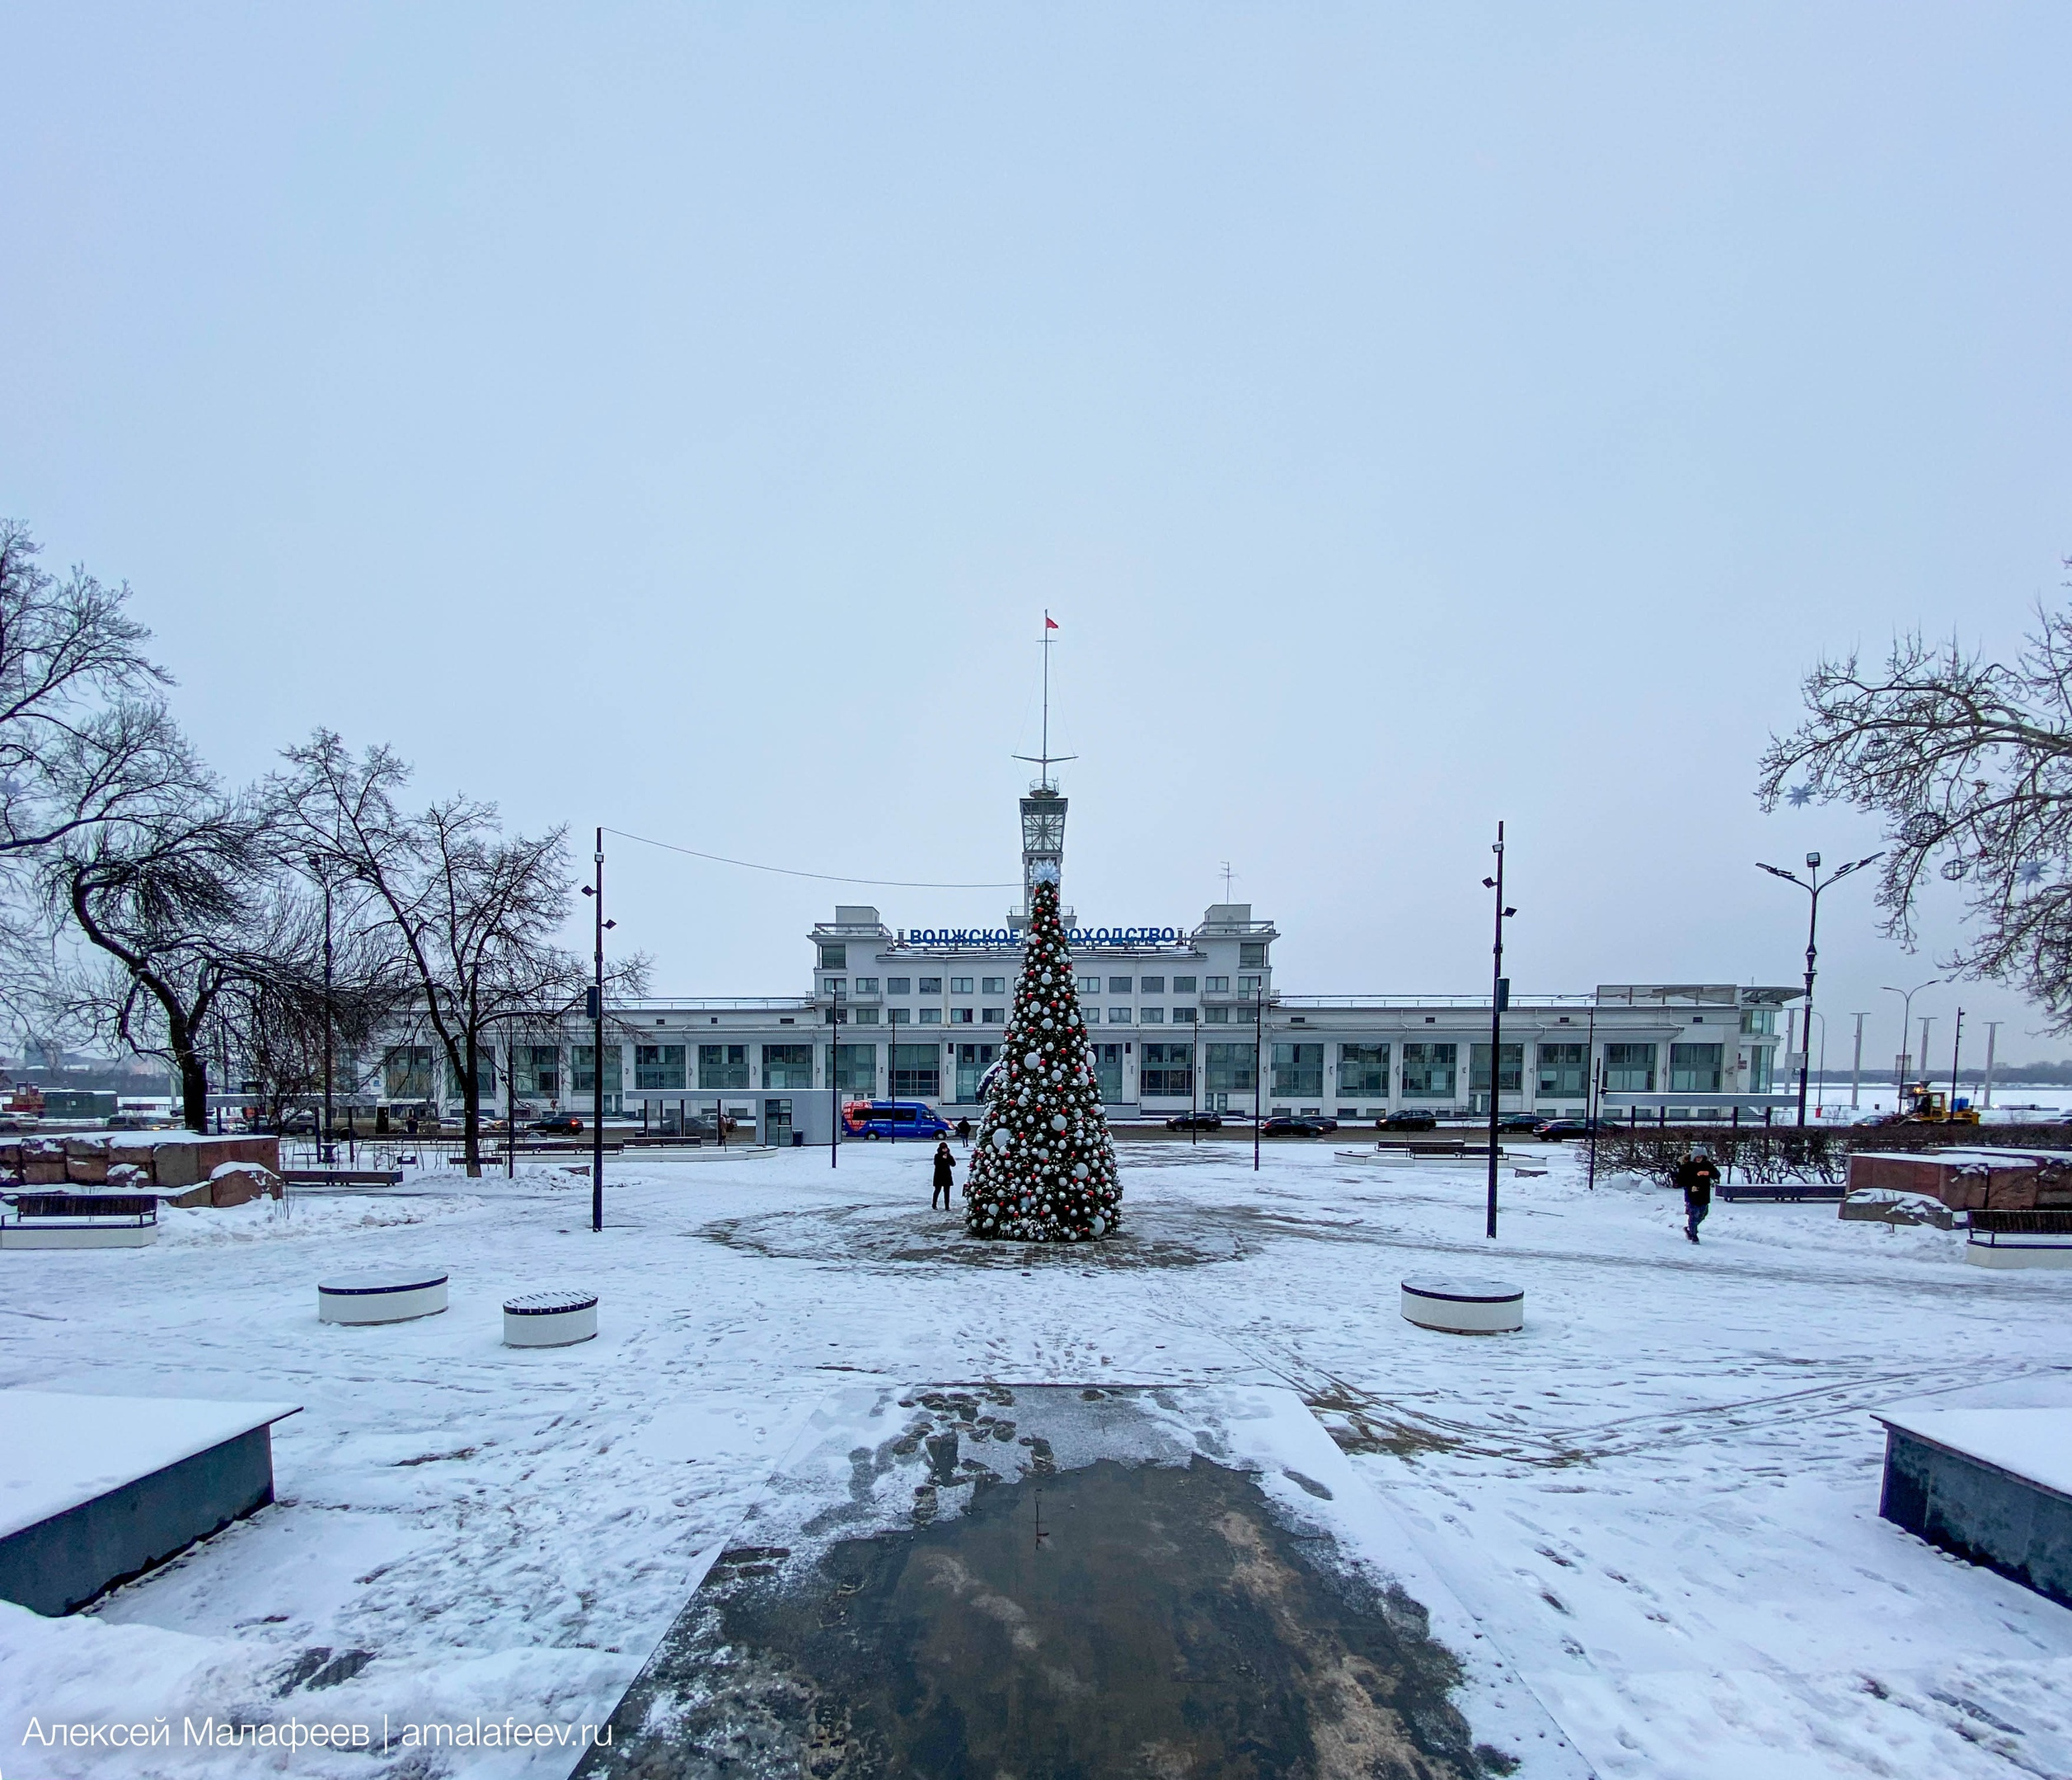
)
(1047, 630)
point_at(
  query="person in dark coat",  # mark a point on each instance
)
(1696, 1175)
(946, 1176)
(964, 1131)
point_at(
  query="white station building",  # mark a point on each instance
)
(1180, 1018)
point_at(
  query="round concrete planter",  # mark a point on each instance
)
(550, 1318)
(1464, 1306)
(392, 1297)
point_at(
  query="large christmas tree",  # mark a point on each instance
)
(1044, 1166)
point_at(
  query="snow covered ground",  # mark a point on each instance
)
(1660, 1498)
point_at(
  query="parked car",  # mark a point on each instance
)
(1299, 1125)
(1196, 1121)
(891, 1118)
(1408, 1121)
(1553, 1130)
(1520, 1121)
(565, 1124)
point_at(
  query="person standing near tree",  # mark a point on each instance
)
(945, 1175)
(1696, 1175)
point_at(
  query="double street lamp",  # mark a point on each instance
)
(1812, 884)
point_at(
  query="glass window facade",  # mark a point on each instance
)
(1630, 1068)
(583, 1068)
(407, 1072)
(1091, 1015)
(863, 1016)
(1119, 985)
(930, 986)
(1182, 985)
(1694, 1068)
(993, 1016)
(1118, 1016)
(1564, 1072)
(1251, 954)
(1107, 1070)
(1298, 1069)
(722, 1065)
(1216, 1016)
(1183, 1016)
(931, 1016)
(834, 957)
(538, 1069)
(1166, 1070)
(1150, 1016)
(960, 1016)
(856, 1068)
(787, 1066)
(866, 986)
(960, 986)
(899, 1016)
(1215, 985)
(899, 985)
(1755, 1020)
(995, 986)
(1229, 1069)
(1363, 1071)
(1151, 985)
(1429, 1071)
(1511, 1072)
(1090, 985)
(1760, 1060)
(917, 1071)
(972, 1061)
(657, 1068)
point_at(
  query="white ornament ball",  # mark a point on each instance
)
(1098, 1224)
(1058, 1122)
(1002, 1139)
(1079, 1171)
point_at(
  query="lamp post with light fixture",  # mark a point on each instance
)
(1811, 884)
(1499, 998)
(595, 997)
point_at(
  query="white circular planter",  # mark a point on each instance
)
(1464, 1306)
(394, 1297)
(550, 1318)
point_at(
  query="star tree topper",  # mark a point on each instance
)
(1043, 1170)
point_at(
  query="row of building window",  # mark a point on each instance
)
(1430, 1070)
(1088, 986)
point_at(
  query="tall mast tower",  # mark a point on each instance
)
(1043, 809)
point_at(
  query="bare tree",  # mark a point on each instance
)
(169, 900)
(1969, 764)
(474, 910)
(85, 739)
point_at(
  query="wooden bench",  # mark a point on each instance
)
(339, 1177)
(1784, 1192)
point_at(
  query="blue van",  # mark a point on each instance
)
(891, 1118)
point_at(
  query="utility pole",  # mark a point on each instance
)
(1499, 998)
(1856, 1067)
(1957, 1050)
(1992, 1036)
(1927, 1021)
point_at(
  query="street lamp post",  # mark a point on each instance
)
(1906, 1008)
(1811, 883)
(595, 996)
(834, 1074)
(1992, 1038)
(1957, 1053)
(1856, 1064)
(1258, 1065)
(324, 1149)
(1499, 996)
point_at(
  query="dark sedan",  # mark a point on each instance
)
(1409, 1122)
(1553, 1130)
(1308, 1125)
(1196, 1121)
(564, 1124)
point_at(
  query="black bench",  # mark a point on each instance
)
(1785, 1192)
(339, 1177)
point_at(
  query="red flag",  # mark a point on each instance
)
(1049, 622)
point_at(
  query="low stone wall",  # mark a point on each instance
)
(136, 1159)
(1977, 1181)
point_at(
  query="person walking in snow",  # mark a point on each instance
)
(946, 1176)
(1696, 1175)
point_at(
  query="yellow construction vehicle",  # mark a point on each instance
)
(1921, 1105)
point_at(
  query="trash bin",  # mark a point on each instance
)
(798, 1139)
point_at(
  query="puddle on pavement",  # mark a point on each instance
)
(1116, 1619)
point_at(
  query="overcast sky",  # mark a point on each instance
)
(678, 417)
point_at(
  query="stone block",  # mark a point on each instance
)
(236, 1183)
(1882, 1205)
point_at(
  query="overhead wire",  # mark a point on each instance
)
(786, 871)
